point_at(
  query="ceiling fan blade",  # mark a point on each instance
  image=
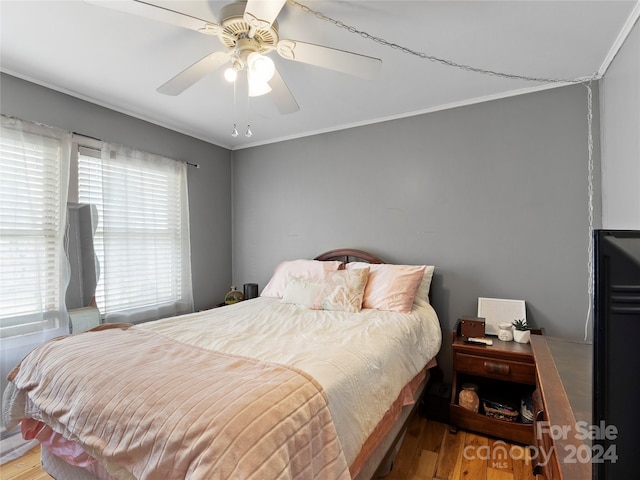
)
(331, 58)
(282, 96)
(160, 14)
(260, 14)
(195, 72)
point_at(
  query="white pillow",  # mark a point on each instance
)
(306, 293)
(303, 269)
(422, 294)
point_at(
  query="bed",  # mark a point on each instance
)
(315, 378)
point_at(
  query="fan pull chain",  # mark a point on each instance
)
(248, 133)
(234, 132)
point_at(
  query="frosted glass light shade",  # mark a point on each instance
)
(230, 74)
(261, 67)
(257, 86)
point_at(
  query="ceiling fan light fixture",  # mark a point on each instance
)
(260, 66)
(230, 74)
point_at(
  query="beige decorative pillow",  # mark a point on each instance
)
(344, 289)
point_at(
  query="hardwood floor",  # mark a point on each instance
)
(27, 467)
(429, 452)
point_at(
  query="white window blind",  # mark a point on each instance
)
(142, 236)
(34, 163)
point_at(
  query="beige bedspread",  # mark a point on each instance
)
(255, 419)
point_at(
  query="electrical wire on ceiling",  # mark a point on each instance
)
(433, 58)
(586, 81)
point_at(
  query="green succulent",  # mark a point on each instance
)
(521, 325)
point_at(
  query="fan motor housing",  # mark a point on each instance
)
(236, 26)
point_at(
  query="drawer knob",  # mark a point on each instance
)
(494, 367)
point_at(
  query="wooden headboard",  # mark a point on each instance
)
(347, 255)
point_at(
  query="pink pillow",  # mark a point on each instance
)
(391, 287)
(301, 269)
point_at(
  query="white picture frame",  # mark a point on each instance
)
(499, 310)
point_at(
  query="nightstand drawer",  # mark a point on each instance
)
(496, 368)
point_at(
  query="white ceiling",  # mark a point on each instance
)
(118, 60)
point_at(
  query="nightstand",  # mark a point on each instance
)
(504, 367)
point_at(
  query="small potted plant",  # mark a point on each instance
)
(522, 332)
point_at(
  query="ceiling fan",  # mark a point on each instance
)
(249, 32)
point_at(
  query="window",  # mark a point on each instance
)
(142, 239)
(142, 236)
(34, 163)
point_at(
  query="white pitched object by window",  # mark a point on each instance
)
(142, 236)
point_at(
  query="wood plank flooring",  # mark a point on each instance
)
(429, 452)
(27, 467)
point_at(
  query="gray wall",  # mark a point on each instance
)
(493, 194)
(209, 186)
(621, 137)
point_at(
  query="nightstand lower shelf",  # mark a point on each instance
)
(477, 422)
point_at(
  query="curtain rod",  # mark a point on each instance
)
(196, 165)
